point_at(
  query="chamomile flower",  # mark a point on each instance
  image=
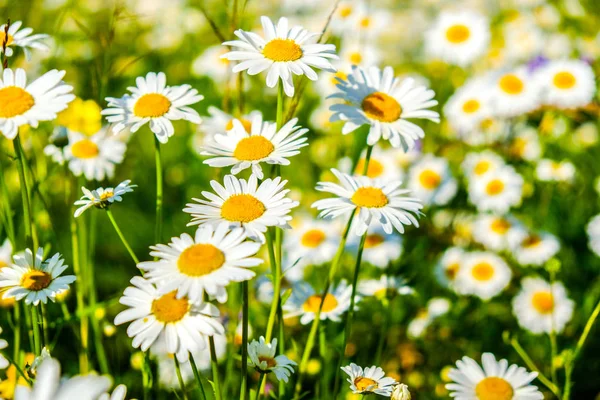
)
(380, 248)
(468, 106)
(514, 93)
(497, 191)
(592, 229)
(567, 83)
(312, 242)
(304, 302)
(357, 53)
(262, 357)
(94, 156)
(376, 202)
(385, 287)
(207, 262)
(535, 248)
(218, 122)
(497, 232)
(449, 265)
(244, 203)
(102, 197)
(345, 14)
(23, 104)
(152, 101)
(282, 52)
(376, 98)
(22, 38)
(35, 279)
(431, 181)
(182, 323)
(370, 380)
(496, 380)
(555, 171)
(263, 144)
(541, 307)
(482, 274)
(476, 165)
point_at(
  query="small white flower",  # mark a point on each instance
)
(262, 357)
(550, 170)
(21, 38)
(305, 302)
(431, 181)
(94, 156)
(400, 392)
(370, 380)
(514, 93)
(497, 191)
(535, 248)
(483, 274)
(101, 197)
(567, 83)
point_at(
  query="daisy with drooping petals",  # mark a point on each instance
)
(448, 266)
(370, 380)
(283, 52)
(261, 355)
(380, 248)
(496, 380)
(497, 232)
(263, 144)
(23, 104)
(304, 302)
(482, 274)
(555, 171)
(541, 307)
(94, 156)
(377, 202)
(385, 287)
(431, 181)
(567, 83)
(376, 98)
(498, 190)
(209, 261)
(535, 248)
(22, 38)
(476, 165)
(182, 323)
(35, 279)
(244, 203)
(101, 197)
(514, 93)
(152, 101)
(468, 107)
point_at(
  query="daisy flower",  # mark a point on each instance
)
(22, 38)
(567, 83)
(263, 144)
(262, 357)
(458, 37)
(23, 104)
(514, 93)
(344, 17)
(33, 279)
(209, 261)
(376, 98)
(497, 232)
(476, 165)
(385, 287)
(431, 181)
(94, 156)
(218, 122)
(380, 248)
(101, 197)
(244, 204)
(305, 302)
(312, 242)
(497, 191)
(449, 265)
(496, 380)
(370, 22)
(182, 323)
(357, 53)
(541, 307)
(468, 106)
(592, 229)
(152, 101)
(370, 380)
(555, 171)
(282, 52)
(377, 202)
(535, 248)
(482, 274)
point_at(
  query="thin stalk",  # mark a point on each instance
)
(552, 334)
(27, 217)
(280, 101)
(122, 237)
(17, 332)
(159, 191)
(384, 329)
(215, 368)
(83, 326)
(197, 375)
(261, 381)
(147, 380)
(44, 323)
(531, 365)
(37, 344)
(276, 274)
(245, 389)
(180, 378)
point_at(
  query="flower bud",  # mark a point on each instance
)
(400, 392)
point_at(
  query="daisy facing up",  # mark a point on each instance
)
(207, 262)
(311, 242)
(514, 93)
(468, 107)
(282, 52)
(431, 181)
(94, 156)
(376, 98)
(496, 380)
(497, 191)
(23, 104)
(152, 101)
(304, 302)
(244, 204)
(541, 307)
(476, 165)
(482, 274)
(22, 38)
(497, 232)
(376, 202)
(34, 279)
(182, 323)
(261, 356)
(101, 197)
(567, 83)
(241, 149)
(370, 380)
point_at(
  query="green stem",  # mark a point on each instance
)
(280, 100)
(197, 375)
(159, 191)
(531, 365)
(276, 275)
(261, 381)
(28, 221)
(44, 323)
(179, 377)
(215, 367)
(245, 389)
(17, 332)
(122, 237)
(147, 380)
(37, 344)
(384, 330)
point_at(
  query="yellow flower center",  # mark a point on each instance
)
(35, 280)
(242, 208)
(85, 149)
(253, 148)
(373, 240)
(471, 106)
(458, 34)
(363, 384)
(511, 84)
(282, 50)
(313, 238)
(543, 302)
(494, 187)
(313, 302)
(500, 226)
(452, 270)
(355, 58)
(151, 105)
(200, 259)
(494, 388)
(107, 195)
(345, 12)
(429, 179)
(14, 101)
(245, 123)
(381, 107)
(342, 75)
(481, 167)
(564, 80)
(3, 37)
(269, 360)
(374, 170)
(169, 308)
(532, 241)
(365, 22)
(369, 197)
(483, 271)
(2, 264)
